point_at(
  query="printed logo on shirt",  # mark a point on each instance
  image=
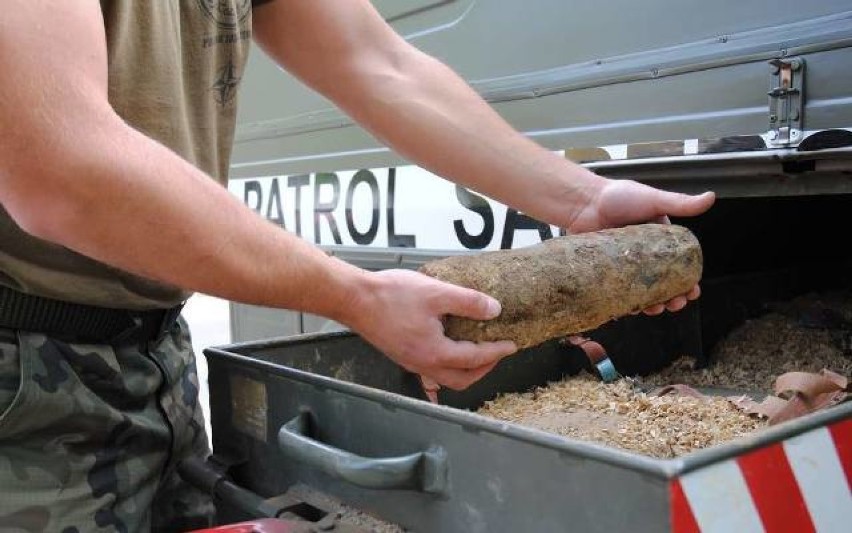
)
(227, 14)
(225, 87)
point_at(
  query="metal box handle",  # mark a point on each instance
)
(423, 471)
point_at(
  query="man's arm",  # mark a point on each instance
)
(72, 172)
(423, 110)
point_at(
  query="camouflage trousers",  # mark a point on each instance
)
(90, 435)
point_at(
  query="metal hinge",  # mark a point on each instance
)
(786, 101)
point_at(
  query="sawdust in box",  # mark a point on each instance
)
(806, 334)
(346, 516)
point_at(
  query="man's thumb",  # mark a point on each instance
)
(685, 205)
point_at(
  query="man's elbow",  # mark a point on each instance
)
(43, 202)
(49, 167)
(41, 215)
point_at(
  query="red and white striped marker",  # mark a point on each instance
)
(801, 484)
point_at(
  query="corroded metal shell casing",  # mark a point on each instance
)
(568, 285)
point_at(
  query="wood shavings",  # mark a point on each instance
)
(806, 334)
(353, 517)
(622, 416)
(344, 514)
(760, 350)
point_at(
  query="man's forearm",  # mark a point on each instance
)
(419, 106)
(74, 173)
(428, 114)
(120, 187)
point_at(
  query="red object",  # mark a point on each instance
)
(266, 525)
(842, 435)
(801, 484)
(682, 519)
(773, 488)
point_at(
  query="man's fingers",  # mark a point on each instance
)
(694, 293)
(676, 304)
(684, 205)
(467, 355)
(432, 395)
(430, 388)
(655, 310)
(466, 378)
(429, 383)
(469, 303)
(458, 379)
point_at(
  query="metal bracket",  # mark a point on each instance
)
(786, 101)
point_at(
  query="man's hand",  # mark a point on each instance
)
(401, 314)
(622, 202)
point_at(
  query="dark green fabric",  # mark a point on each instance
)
(90, 435)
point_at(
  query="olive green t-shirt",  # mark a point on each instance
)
(174, 70)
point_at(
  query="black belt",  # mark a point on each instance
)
(83, 323)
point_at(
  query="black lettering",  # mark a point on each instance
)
(480, 206)
(326, 209)
(275, 203)
(297, 182)
(225, 38)
(363, 176)
(516, 221)
(252, 187)
(401, 241)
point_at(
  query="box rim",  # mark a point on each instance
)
(667, 469)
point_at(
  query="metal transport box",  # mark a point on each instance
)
(329, 411)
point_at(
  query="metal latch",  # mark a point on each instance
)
(786, 99)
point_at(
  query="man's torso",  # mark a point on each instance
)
(174, 70)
